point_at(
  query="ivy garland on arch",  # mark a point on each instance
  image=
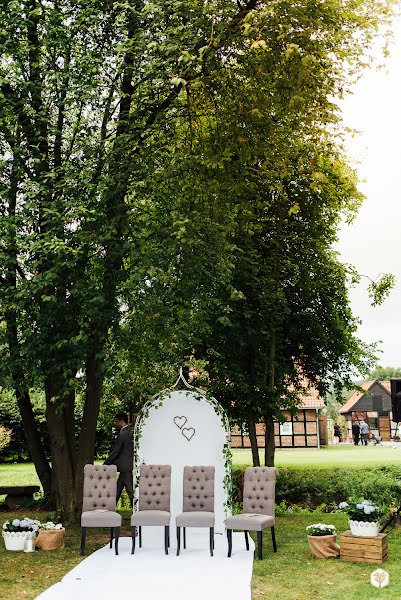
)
(156, 402)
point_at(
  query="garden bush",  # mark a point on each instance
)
(325, 488)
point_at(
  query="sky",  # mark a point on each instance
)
(372, 243)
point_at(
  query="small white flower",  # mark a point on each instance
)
(343, 505)
(16, 522)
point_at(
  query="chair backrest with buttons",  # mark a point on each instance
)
(259, 490)
(100, 487)
(155, 487)
(198, 490)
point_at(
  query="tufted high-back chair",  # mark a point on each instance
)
(259, 490)
(155, 487)
(258, 515)
(198, 489)
(154, 502)
(99, 502)
(198, 503)
(100, 487)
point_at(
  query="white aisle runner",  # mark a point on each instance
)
(151, 575)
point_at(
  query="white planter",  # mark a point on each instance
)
(364, 529)
(14, 540)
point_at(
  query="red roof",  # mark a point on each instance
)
(357, 395)
(311, 399)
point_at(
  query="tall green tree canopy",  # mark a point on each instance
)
(149, 151)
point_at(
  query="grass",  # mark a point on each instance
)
(24, 575)
(328, 457)
(290, 574)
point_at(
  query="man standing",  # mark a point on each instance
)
(122, 456)
(356, 431)
(364, 432)
(337, 434)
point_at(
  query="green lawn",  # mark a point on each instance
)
(290, 574)
(328, 457)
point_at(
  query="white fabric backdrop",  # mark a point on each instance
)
(168, 439)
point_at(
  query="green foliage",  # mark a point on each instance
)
(10, 418)
(380, 288)
(5, 438)
(172, 181)
(324, 489)
(385, 373)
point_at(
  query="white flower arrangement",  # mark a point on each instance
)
(50, 526)
(21, 525)
(319, 529)
(362, 511)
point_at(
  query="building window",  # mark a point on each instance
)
(373, 423)
(383, 413)
(286, 428)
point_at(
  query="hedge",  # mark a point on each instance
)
(325, 488)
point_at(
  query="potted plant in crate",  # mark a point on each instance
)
(51, 536)
(322, 540)
(15, 532)
(364, 517)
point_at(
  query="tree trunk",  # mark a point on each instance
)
(253, 438)
(29, 425)
(94, 383)
(270, 445)
(62, 443)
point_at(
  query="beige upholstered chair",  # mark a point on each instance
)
(198, 503)
(259, 496)
(99, 502)
(154, 502)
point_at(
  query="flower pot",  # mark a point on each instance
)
(50, 539)
(14, 540)
(323, 546)
(363, 528)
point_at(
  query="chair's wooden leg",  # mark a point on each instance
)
(246, 540)
(83, 540)
(133, 535)
(260, 539)
(211, 536)
(230, 541)
(178, 540)
(140, 536)
(184, 530)
(117, 537)
(111, 537)
(166, 536)
(274, 539)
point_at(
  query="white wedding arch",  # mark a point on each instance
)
(182, 427)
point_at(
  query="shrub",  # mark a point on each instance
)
(5, 438)
(326, 488)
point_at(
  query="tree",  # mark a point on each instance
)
(85, 86)
(245, 277)
(385, 373)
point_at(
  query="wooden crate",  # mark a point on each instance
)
(363, 549)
